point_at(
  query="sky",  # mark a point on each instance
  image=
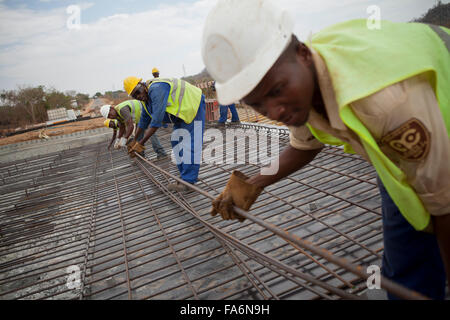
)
(42, 42)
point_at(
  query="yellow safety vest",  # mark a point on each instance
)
(134, 105)
(362, 62)
(184, 98)
(116, 123)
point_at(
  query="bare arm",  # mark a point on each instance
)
(138, 132)
(130, 128)
(148, 133)
(121, 130)
(112, 139)
(290, 160)
(128, 121)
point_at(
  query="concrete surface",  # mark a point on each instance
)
(31, 148)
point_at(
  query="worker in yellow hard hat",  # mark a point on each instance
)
(355, 87)
(178, 102)
(113, 124)
(155, 72)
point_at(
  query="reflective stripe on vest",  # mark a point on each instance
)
(184, 98)
(359, 67)
(445, 37)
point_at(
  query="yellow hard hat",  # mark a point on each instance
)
(155, 70)
(130, 83)
(108, 121)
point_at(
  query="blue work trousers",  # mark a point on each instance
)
(187, 144)
(411, 258)
(224, 113)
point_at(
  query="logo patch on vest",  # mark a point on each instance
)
(411, 140)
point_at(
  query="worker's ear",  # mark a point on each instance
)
(301, 49)
(304, 53)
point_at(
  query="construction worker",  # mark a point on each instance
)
(125, 115)
(382, 93)
(155, 73)
(180, 103)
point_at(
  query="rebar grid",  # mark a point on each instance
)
(131, 238)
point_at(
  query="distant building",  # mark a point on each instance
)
(61, 114)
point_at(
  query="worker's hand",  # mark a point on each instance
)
(237, 192)
(137, 147)
(116, 144)
(130, 144)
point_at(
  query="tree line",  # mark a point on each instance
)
(29, 105)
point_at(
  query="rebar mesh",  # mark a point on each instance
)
(130, 238)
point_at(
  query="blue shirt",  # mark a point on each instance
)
(156, 106)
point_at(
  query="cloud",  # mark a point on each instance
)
(36, 47)
(39, 49)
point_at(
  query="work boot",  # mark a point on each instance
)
(177, 187)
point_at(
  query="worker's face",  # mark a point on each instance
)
(156, 74)
(140, 92)
(112, 125)
(286, 92)
(112, 113)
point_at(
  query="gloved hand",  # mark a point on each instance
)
(116, 144)
(130, 144)
(238, 192)
(137, 147)
(122, 142)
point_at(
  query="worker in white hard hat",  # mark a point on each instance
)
(356, 87)
(126, 115)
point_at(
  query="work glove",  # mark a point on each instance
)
(238, 192)
(130, 144)
(116, 144)
(137, 147)
(122, 142)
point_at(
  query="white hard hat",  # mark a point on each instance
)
(241, 41)
(105, 110)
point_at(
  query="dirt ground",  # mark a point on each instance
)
(54, 131)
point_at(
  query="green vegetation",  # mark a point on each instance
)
(29, 105)
(439, 15)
